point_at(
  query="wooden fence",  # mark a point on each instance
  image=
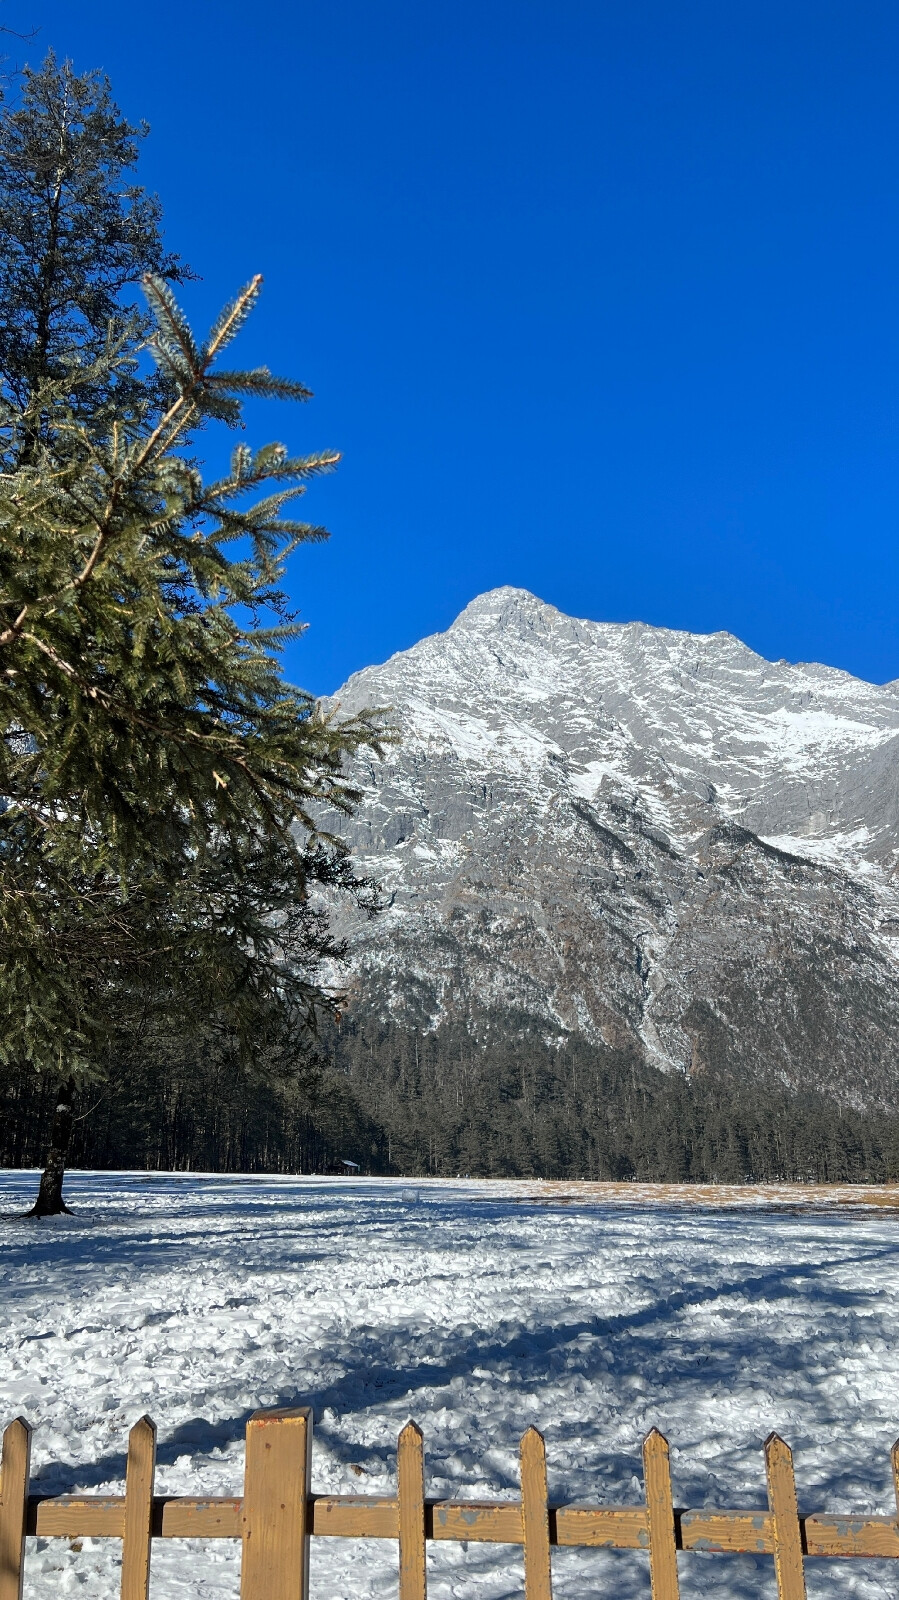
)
(277, 1514)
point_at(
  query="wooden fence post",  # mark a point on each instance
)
(275, 1517)
(535, 1518)
(138, 1532)
(410, 1485)
(15, 1473)
(660, 1510)
(785, 1512)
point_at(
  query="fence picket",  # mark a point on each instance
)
(785, 1512)
(535, 1517)
(410, 1482)
(138, 1531)
(660, 1511)
(15, 1472)
(274, 1520)
(278, 1513)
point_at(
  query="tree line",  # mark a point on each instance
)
(504, 1104)
(494, 1099)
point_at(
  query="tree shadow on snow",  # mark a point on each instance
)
(681, 1364)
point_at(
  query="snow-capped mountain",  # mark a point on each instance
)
(649, 837)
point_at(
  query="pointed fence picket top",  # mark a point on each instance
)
(787, 1534)
(137, 1536)
(535, 1517)
(278, 1515)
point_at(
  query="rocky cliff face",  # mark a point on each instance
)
(643, 836)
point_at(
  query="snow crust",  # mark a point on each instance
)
(477, 1309)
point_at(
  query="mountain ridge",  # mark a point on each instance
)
(642, 835)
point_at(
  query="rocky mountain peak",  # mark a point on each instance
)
(627, 831)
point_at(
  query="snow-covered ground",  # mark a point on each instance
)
(475, 1308)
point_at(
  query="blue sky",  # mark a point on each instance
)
(598, 297)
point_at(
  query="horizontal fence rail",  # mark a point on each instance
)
(277, 1515)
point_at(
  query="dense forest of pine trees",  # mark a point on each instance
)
(517, 1106)
(438, 1103)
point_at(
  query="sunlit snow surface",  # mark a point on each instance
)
(476, 1309)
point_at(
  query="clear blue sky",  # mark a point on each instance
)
(598, 297)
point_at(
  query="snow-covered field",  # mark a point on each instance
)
(475, 1308)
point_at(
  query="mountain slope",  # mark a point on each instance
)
(654, 839)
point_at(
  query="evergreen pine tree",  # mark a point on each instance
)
(157, 850)
(77, 235)
(164, 788)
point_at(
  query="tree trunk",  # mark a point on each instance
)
(49, 1202)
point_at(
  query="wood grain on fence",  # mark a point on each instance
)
(660, 1515)
(14, 1475)
(410, 1493)
(785, 1516)
(535, 1517)
(277, 1470)
(278, 1515)
(137, 1527)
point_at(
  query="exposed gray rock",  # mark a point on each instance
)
(640, 835)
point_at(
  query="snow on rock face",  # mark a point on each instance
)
(659, 839)
(477, 1309)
